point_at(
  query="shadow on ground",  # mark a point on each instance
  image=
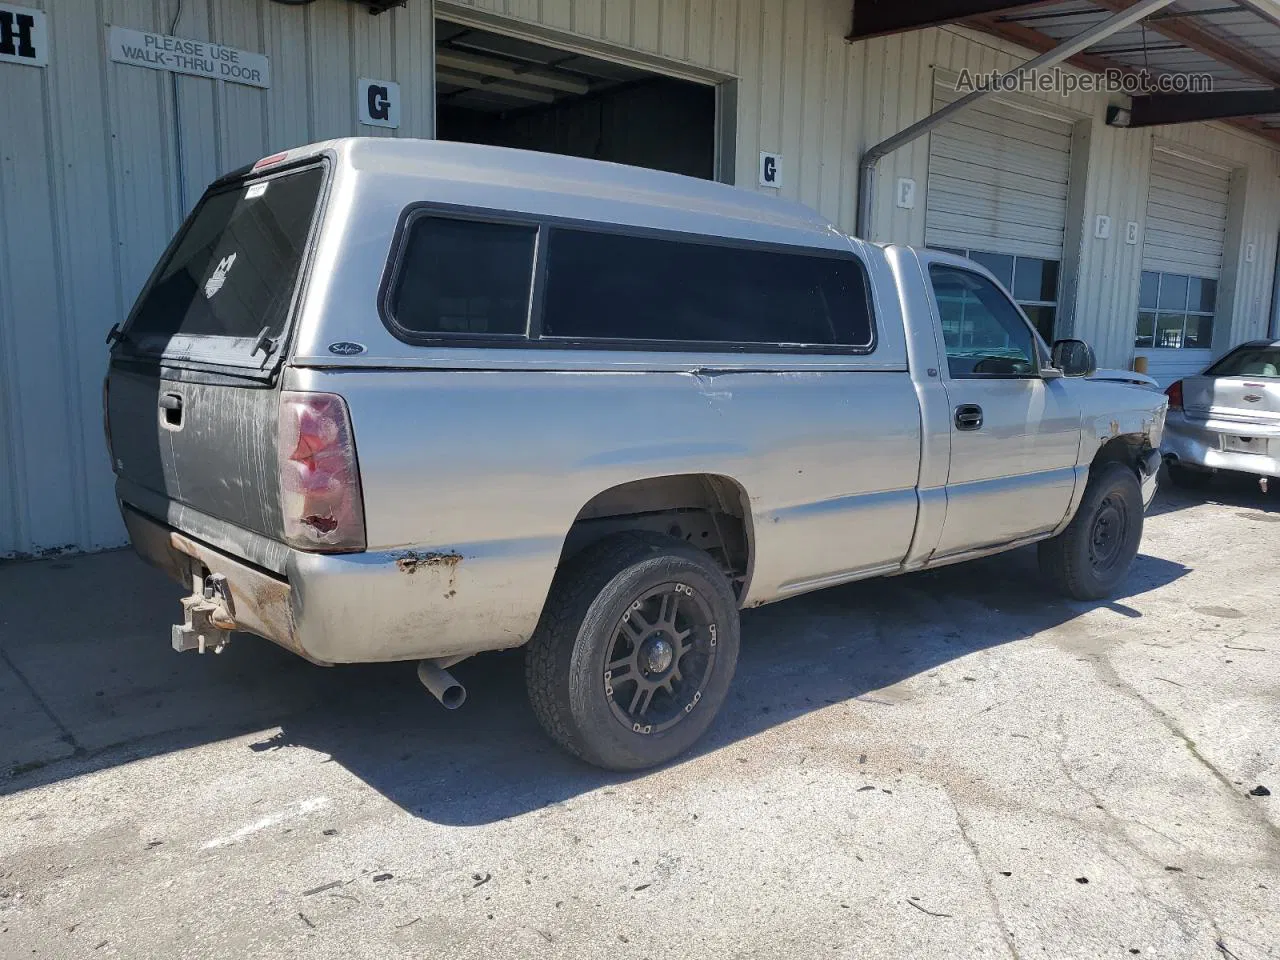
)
(1226, 489)
(84, 643)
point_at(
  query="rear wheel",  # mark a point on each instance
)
(635, 651)
(1092, 556)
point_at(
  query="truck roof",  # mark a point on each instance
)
(543, 183)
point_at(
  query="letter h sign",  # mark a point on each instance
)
(23, 36)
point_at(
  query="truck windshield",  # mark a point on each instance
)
(235, 266)
(1248, 362)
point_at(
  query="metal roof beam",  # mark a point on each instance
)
(1191, 35)
(505, 70)
(879, 18)
(1035, 40)
(1157, 109)
(512, 90)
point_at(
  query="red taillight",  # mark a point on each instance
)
(319, 480)
(271, 160)
(1174, 393)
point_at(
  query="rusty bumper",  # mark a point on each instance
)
(260, 603)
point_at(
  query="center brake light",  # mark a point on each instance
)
(320, 495)
(1174, 393)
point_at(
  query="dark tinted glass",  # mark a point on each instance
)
(1041, 318)
(1035, 279)
(1169, 328)
(615, 287)
(1173, 292)
(1248, 362)
(984, 334)
(1147, 291)
(465, 277)
(234, 270)
(1199, 332)
(1000, 264)
(1203, 294)
(1146, 329)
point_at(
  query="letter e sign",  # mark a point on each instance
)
(378, 103)
(770, 169)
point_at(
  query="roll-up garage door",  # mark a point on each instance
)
(998, 180)
(997, 192)
(1182, 247)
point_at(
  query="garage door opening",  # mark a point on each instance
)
(511, 92)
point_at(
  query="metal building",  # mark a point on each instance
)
(1145, 224)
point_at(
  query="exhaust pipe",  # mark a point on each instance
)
(442, 684)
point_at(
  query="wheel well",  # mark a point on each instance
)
(1127, 449)
(707, 511)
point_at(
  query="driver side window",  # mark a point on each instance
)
(984, 334)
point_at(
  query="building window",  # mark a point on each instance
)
(1175, 311)
(1033, 281)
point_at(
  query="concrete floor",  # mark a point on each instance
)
(952, 764)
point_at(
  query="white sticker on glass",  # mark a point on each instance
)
(219, 277)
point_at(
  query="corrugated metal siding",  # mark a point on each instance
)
(998, 179)
(91, 190)
(97, 182)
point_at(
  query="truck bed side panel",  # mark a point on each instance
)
(472, 479)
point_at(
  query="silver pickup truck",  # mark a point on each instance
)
(397, 400)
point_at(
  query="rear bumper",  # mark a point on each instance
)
(368, 607)
(1202, 443)
(262, 603)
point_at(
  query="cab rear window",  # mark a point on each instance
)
(233, 271)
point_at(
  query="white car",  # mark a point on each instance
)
(1227, 418)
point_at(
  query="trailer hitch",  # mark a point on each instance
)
(208, 615)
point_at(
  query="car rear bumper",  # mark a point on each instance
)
(366, 607)
(1204, 443)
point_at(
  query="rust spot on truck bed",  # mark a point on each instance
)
(411, 562)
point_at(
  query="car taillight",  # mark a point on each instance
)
(319, 480)
(1174, 393)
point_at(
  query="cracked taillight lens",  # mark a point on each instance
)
(319, 479)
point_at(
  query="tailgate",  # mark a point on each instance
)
(192, 398)
(208, 446)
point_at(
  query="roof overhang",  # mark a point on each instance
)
(1224, 53)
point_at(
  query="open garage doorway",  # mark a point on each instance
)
(511, 92)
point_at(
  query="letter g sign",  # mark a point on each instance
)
(378, 103)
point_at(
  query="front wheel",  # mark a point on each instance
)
(1092, 556)
(635, 650)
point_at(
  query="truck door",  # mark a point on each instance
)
(1015, 436)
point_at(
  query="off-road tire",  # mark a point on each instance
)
(565, 659)
(1067, 560)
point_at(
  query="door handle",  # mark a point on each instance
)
(968, 417)
(171, 404)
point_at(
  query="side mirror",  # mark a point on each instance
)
(1074, 358)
